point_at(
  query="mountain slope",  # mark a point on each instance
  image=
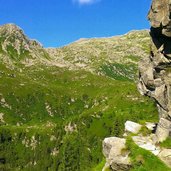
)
(95, 55)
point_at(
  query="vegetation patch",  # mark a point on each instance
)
(143, 160)
(119, 71)
(40, 102)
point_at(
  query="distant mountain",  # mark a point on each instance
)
(92, 53)
(103, 56)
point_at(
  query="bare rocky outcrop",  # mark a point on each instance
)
(117, 153)
(155, 70)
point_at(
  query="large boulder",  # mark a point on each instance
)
(114, 149)
(163, 130)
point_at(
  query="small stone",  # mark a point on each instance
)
(150, 126)
(132, 127)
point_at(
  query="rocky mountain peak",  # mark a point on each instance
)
(11, 34)
(10, 28)
(15, 45)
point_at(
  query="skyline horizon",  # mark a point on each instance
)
(59, 23)
(76, 39)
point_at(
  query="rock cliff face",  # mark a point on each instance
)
(155, 70)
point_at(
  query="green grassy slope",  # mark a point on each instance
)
(144, 160)
(39, 103)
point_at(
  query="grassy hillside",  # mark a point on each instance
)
(55, 119)
(92, 54)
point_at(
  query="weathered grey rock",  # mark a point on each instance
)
(160, 96)
(132, 127)
(141, 87)
(163, 130)
(155, 70)
(146, 143)
(159, 16)
(162, 113)
(116, 155)
(147, 69)
(165, 156)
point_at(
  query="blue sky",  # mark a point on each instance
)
(58, 22)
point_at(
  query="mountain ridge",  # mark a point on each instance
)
(19, 45)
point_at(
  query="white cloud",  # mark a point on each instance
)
(85, 2)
